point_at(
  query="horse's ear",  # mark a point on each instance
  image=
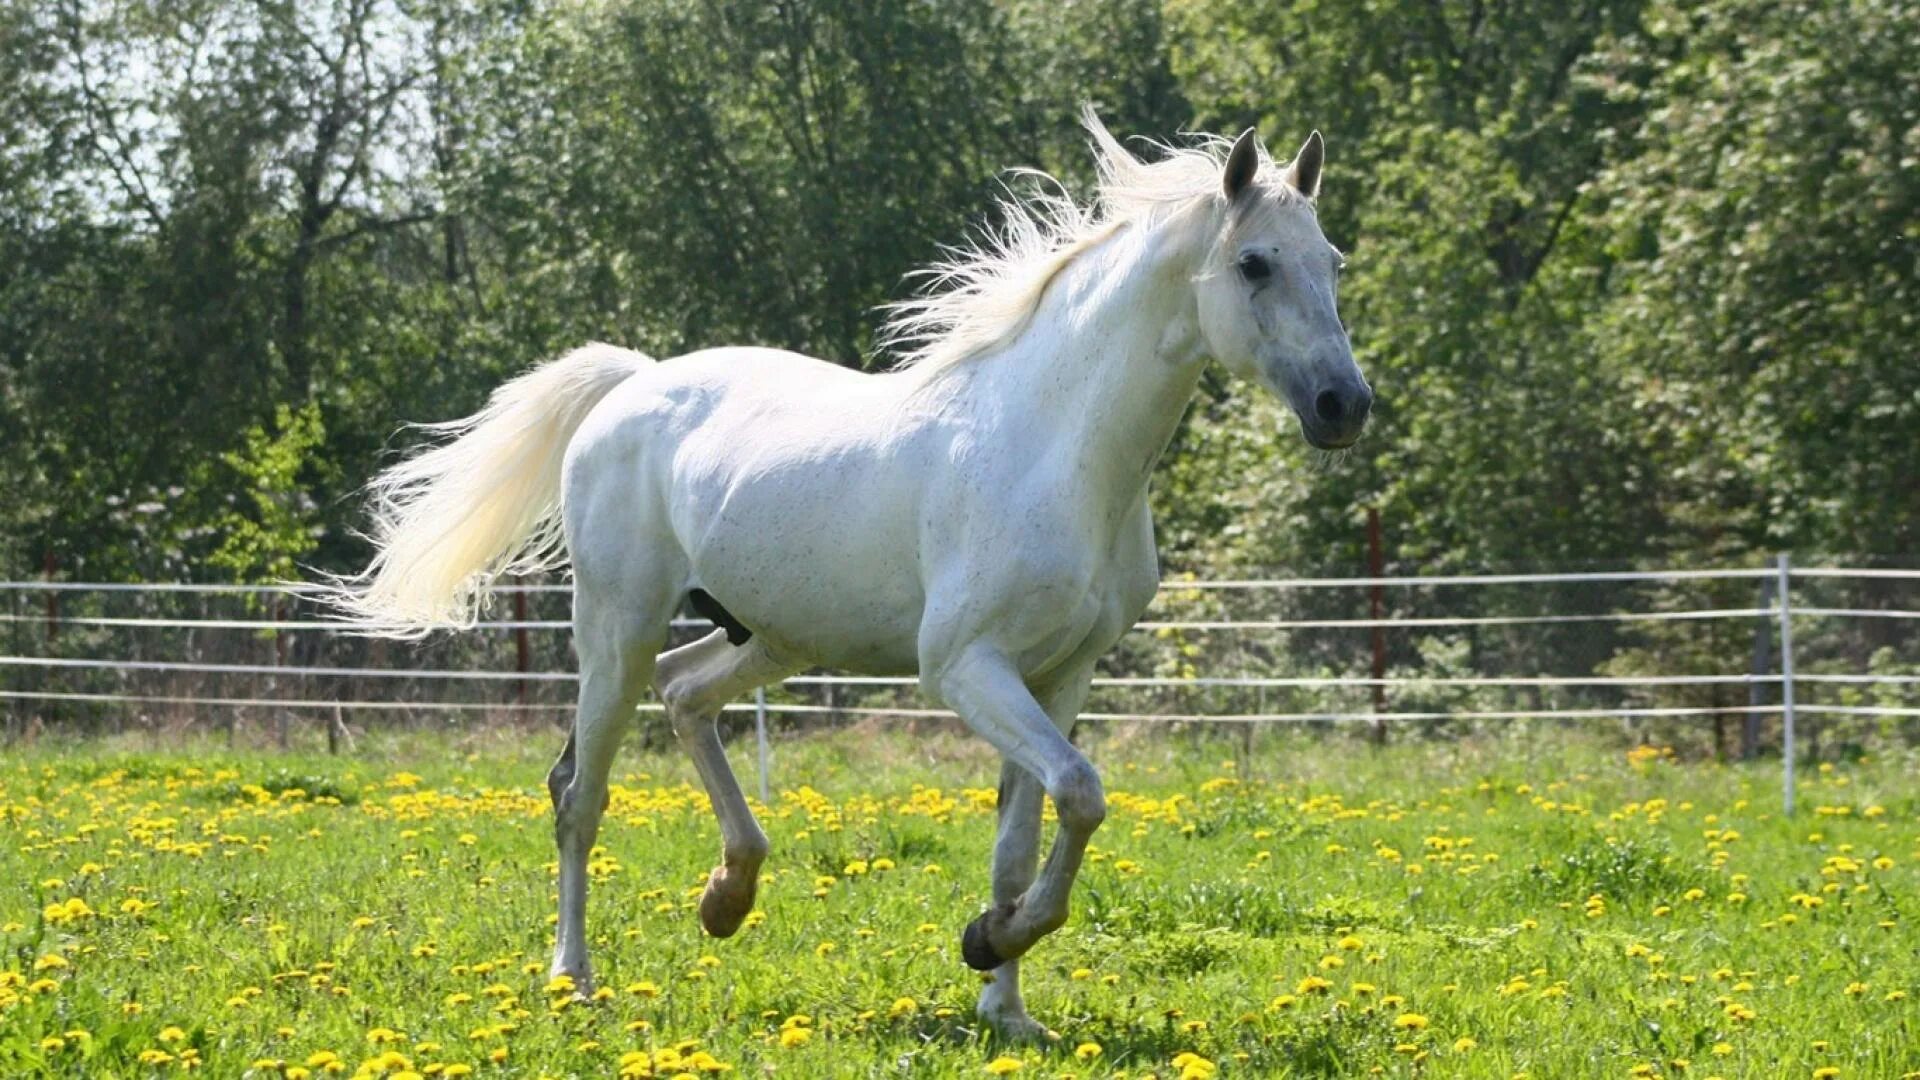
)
(1304, 173)
(1242, 163)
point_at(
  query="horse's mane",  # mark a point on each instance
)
(985, 291)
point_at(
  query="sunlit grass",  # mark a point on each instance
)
(1303, 909)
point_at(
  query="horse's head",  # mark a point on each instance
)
(1266, 294)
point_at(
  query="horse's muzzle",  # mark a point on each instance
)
(1338, 414)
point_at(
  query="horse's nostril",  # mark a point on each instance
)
(1327, 406)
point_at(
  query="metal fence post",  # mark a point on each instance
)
(760, 733)
(1762, 672)
(1786, 678)
(1377, 605)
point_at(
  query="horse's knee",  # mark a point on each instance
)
(748, 852)
(1079, 797)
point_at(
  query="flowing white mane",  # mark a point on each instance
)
(985, 292)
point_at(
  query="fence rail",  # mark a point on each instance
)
(206, 652)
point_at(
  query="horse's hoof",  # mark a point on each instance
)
(723, 909)
(975, 949)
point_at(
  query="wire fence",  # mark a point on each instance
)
(1750, 651)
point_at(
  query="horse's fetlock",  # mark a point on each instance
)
(748, 852)
(1050, 921)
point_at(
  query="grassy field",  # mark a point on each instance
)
(1292, 908)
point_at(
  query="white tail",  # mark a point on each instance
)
(449, 520)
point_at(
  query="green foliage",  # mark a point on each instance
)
(1635, 280)
(262, 540)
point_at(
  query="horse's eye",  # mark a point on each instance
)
(1254, 267)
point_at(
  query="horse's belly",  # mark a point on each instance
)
(862, 617)
(820, 560)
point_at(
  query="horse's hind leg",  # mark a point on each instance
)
(616, 635)
(694, 682)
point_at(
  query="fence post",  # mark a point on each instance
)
(1786, 678)
(760, 734)
(1377, 605)
(1762, 667)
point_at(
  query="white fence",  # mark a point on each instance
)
(283, 683)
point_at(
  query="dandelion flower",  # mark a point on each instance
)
(1194, 1067)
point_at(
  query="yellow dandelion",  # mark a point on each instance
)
(1194, 1067)
(1313, 984)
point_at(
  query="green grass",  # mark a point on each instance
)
(1303, 908)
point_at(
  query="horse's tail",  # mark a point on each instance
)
(449, 520)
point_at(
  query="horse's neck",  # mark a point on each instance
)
(1108, 362)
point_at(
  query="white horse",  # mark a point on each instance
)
(977, 516)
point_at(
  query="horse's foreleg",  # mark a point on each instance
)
(1016, 857)
(695, 681)
(990, 696)
(1016, 854)
(616, 662)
